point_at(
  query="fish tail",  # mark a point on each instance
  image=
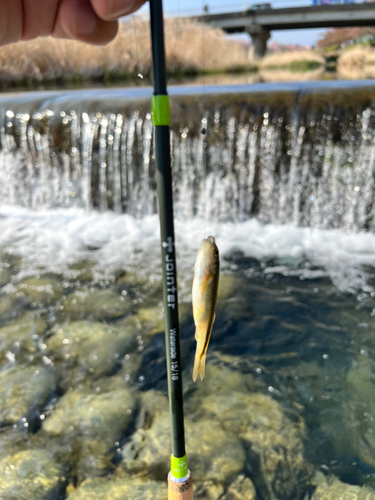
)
(199, 367)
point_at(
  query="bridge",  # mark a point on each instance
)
(259, 22)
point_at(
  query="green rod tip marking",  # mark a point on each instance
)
(161, 114)
(179, 467)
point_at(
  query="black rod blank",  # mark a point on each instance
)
(165, 199)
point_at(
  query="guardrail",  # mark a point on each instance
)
(245, 5)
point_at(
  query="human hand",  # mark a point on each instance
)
(91, 21)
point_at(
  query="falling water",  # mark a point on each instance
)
(305, 158)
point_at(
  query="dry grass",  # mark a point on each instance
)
(350, 73)
(285, 59)
(356, 58)
(190, 47)
(283, 75)
(261, 76)
(246, 78)
(195, 45)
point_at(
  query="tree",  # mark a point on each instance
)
(339, 36)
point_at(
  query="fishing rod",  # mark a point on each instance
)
(179, 479)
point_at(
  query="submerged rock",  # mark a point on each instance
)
(92, 423)
(135, 279)
(82, 270)
(23, 392)
(151, 319)
(140, 281)
(149, 450)
(12, 441)
(30, 474)
(241, 489)
(359, 432)
(207, 490)
(331, 488)
(228, 286)
(213, 454)
(129, 488)
(95, 304)
(84, 348)
(7, 306)
(20, 338)
(274, 443)
(155, 403)
(219, 377)
(45, 290)
(5, 273)
(131, 364)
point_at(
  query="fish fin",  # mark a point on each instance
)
(202, 367)
(197, 363)
(199, 367)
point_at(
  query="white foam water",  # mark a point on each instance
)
(50, 241)
(284, 159)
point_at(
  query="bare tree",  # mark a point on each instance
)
(344, 35)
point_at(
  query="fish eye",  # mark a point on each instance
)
(216, 253)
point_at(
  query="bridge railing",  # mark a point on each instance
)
(248, 4)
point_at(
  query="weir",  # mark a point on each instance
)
(282, 155)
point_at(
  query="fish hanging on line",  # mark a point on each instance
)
(204, 295)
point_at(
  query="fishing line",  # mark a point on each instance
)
(140, 75)
(175, 40)
(204, 129)
(204, 164)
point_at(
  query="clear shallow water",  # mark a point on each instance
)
(297, 312)
(289, 198)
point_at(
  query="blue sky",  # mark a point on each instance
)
(186, 7)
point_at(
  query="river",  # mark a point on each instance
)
(284, 178)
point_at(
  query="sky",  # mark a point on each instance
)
(193, 7)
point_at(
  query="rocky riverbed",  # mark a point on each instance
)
(285, 411)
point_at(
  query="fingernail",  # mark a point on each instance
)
(85, 20)
(118, 8)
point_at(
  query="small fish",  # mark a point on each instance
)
(205, 286)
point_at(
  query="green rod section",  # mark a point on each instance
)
(161, 118)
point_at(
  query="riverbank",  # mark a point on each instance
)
(357, 63)
(192, 50)
(296, 60)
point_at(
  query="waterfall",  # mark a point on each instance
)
(283, 156)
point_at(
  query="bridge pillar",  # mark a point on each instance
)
(259, 38)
